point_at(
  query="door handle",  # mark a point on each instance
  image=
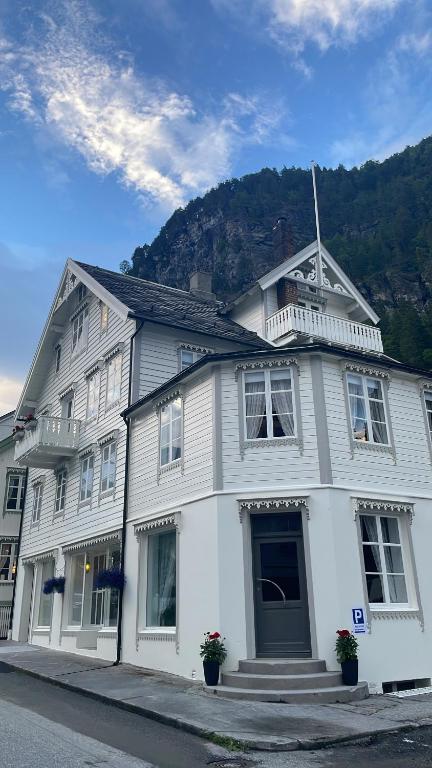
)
(269, 581)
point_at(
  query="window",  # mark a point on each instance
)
(91, 605)
(383, 560)
(60, 497)
(367, 409)
(86, 480)
(57, 358)
(45, 601)
(161, 580)
(428, 404)
(188, 356)
(7, 560)
(67, 406)
(93, 386)
(15, 491)
(104, 314)
(37, 503)
(171, 432)
(309, 305)
(269, 405)
(113, 380)
(82, 292)
(108, 467)
(80, 331)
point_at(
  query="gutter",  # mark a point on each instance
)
(125, 499)
(17, 554)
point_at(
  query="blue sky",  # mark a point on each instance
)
(114, 114)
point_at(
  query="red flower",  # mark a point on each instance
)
(214, 636)
(343, 632)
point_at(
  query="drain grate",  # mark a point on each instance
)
(230, 762)
(411, 692)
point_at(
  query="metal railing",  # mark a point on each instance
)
(323, 326)
(5, 614)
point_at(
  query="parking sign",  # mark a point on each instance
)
(359, 621)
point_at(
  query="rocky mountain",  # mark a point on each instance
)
(376, 221)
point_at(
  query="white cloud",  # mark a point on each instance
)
(66, 78)
(293, 23)
(10, 390)
(417, 43)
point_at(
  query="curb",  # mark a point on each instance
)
(286, 744)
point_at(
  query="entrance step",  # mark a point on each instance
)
(286, 680)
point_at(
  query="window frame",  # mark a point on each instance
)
(178, 461)
(79, 339)
(39, 582)
(12, 559)
(364, 376)
(384, 573)
(86, 458)
(267, 372)
(104, 318)
(57, 362)
(110, 403)
(95, 376)
(13, 472)
(37, 503)
(143, 531)
(110, 445)
(426, 396)
(89, 555)
(196, 352)
(61, 477)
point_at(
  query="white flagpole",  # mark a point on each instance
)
(319, 266)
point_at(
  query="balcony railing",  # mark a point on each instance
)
(293, 318)
(51, 440)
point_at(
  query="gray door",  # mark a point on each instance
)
(281, 605)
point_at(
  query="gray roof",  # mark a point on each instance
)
(171, 306)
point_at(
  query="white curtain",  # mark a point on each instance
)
(358, 418)
(167, 580)
(255, 408)
(282, 406)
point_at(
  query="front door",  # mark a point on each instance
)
(281, 605)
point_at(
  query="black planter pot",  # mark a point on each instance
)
(211, 672)
(350, 672)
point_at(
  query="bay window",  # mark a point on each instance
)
(161, 580)
(269, 405)
(383, 560)
(15, 491)
(171, 427)
(367, 409)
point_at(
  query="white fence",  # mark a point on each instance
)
(5, 614)
(323, 326)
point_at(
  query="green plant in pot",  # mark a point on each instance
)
(346, 650)
(213, 654)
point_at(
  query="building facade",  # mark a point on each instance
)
(260, 468)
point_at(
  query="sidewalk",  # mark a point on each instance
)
(183, 704)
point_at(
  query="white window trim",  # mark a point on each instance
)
(61, 472)
(364, 380)
(103, 328)
(14, 545)
(80, 345)
(162, 468)
(36, 627)
(113, 403)
(21, 474)
(108, 491)
(93, 376)
(86, 456)
(37, 502)
(269, 442)
(404, 511)
(88, 554)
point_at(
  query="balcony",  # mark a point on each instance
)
(48, 443)
(295, 319)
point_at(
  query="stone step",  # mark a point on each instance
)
(282, 682)
(333, 695)
(282, 666)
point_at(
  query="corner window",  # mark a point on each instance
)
(113, 380)
(60, 497)
(80, 331)
(45, 601)
(367, 409)
(161, 580)
(93, 386)
(269, 405)
(15, 491)
(37, 503)
(108, 467)
(383, 560)
(7, 560)
(86, 478)
(171, 418)
(57, 358)
(104, 314)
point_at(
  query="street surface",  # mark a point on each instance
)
(44, 726)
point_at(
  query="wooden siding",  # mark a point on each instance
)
(146, 492)
(273, 466)
(103, 513)
(412, 469)
(250, 313)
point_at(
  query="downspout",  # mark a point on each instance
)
(17, 554)
(125, 498)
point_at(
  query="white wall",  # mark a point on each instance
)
(250, 313)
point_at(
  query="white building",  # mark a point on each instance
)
(278, 476)
(12, 495)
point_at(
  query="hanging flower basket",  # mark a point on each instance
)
(30, 424)
(17, 433)
(112, 578)
(57, 584)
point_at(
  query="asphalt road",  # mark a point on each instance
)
(44, 726)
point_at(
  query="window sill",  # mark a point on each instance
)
(12, 512)
(110, 406)
(41, 631)
(396, 613)
(360, 445)
(271, 442)
(168, 634)
(172, 465)
(85, 503)
(106, 494)
(6, 582)
(78, 352)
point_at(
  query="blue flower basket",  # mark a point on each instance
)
(57, 584)
(112, 578)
